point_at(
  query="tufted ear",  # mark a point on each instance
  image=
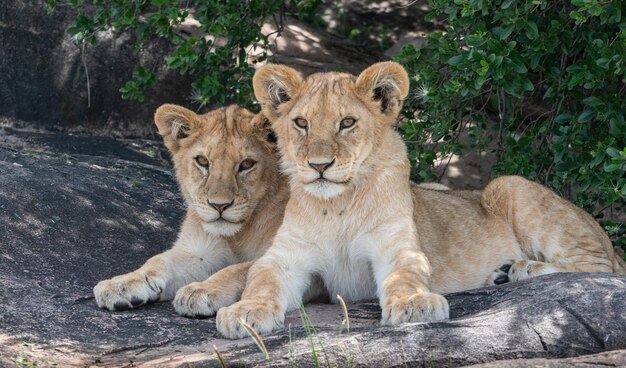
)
(175, 123)
(274, 85)
(387, 84)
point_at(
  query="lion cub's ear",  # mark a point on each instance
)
(263, 127)
(387, 84)
(274, 85)
(174, 123)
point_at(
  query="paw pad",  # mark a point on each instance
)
(502, 279)
(502, 274)
(121, 306)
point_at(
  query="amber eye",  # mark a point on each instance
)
(202, 161)
(301, 123)
(347, 123)
(246, 164)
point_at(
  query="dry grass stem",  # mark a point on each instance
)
(346, 319)
(256, 337)
(219, 356)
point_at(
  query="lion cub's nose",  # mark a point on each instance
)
(321, 167)
(220, 207)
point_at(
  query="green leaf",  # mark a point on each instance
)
(603, 63)
(531, 29)
(506, 4)
(612, 152)
(518, 66)
(527, 85)
(593, 101)
(612, 167)
(586, 116)
(503, 33)
(456, 60)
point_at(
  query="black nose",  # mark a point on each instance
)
(321, 167)
(220, 207)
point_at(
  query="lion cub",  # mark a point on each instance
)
(354, 220)
(228, 174)
(349, 219)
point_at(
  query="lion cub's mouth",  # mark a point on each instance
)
(326, 180)
(223, 220)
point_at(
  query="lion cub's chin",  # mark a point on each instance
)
(221, 228)
(324, 189)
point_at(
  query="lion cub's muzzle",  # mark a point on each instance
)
(325, 171)
(325, 178)
(222, 211)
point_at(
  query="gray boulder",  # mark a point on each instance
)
(75, 210)
(44, 76)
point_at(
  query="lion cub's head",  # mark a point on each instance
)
(329, 123)
(224, 164)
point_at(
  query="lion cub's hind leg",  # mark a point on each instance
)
(204, 299)
(555, 235)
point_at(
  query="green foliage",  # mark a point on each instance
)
(219, 62)
(540, 83)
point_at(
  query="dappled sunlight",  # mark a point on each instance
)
(31, 224)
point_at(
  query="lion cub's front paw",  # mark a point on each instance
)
(126, 291)
(421, 307)
(263, 316)
(201, 299)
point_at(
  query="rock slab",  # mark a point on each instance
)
(75, 210)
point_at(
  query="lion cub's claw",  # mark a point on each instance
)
(264, 317)
(125, 292)
(421, 307)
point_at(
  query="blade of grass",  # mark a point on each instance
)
(290, 346)
(256, 338)
(311, 331)
(309, 335)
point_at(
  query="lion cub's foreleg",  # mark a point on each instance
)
(278, 280)
(402, 275)
(204, 299)
(276, 283)
(554, 235)
(194, 257)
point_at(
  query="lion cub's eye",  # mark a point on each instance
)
(246, 164)
(202, 162)
(301, 123)
(347, 123)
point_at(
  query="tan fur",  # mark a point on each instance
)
(207, 244)
(371, 233)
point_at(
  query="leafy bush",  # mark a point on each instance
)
(219, 62)
(538, 82)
